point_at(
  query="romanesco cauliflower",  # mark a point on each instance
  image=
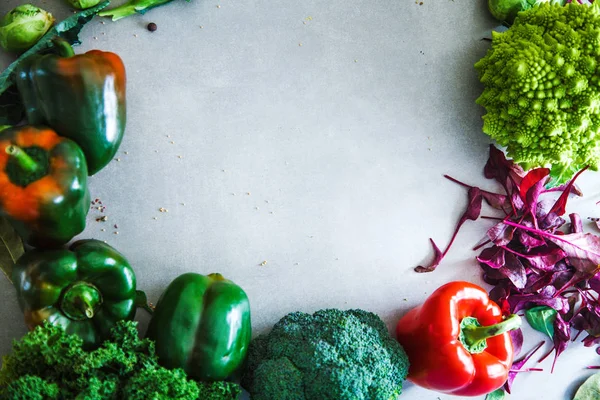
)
(542, 88)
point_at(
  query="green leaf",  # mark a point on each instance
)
(499, 394)
(541, 318)
(560, 174)
(132, 7)
(590, 390)
(11, 247)
(141, 301)
(68, 29)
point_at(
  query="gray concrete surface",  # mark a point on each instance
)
(299, 149)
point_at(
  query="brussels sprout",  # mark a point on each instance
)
(83, 4)
(22, 27)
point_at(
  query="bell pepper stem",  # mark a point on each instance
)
(64, 47)
(141, 301)
(80, 301)
(86, 309)
(23, 159)
(473, 336)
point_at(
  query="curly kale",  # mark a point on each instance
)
(542, 89)
(219, 390)
(30, 387)
(49, 364)
(332, 354)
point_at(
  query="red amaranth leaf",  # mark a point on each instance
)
(530, 241)
(531, 179)
(548, 296)
(472, 213)
(544, 259)
(582, 249)
(501, 169)
(561, 204)
(562, 337)
(516, 337)
(576, 224)
(437, 259)
(492, 256)
(495, 200)
(517, 367)
(532, 195)
(501, 234)
(507, 173)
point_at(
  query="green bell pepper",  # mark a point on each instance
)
(86, 289)
(80, 96)
(43, 185)
(202, 325)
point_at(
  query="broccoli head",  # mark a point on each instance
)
(332, 354)
(542, 89)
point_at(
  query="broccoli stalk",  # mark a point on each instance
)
(330, 355)
(49, 364)
(132, 7)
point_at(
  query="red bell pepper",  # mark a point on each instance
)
(457, 341)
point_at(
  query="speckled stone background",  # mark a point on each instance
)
(299, 148)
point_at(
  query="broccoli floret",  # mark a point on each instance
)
(277, 376)
(332, 354)
(542, 91)
(47, 363)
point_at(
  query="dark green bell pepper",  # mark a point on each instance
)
(80, 96)
(86, 289)
(202, 325)
(43, 185)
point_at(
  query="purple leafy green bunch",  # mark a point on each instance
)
(538, 263)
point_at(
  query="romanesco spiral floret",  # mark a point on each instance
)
(542, 88)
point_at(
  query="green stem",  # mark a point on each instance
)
(473, 336)
(85, 308)
(80, 301)
(141, 301)
(64, 47)
(23, 159)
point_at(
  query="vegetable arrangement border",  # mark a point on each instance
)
(80, 303)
